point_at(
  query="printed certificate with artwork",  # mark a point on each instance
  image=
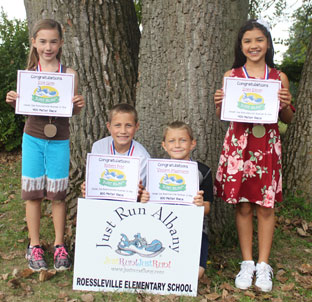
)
(44, 93)
(137, 247)
(172, 181)
(250, 100)
(112, 177)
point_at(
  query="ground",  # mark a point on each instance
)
(291, 256)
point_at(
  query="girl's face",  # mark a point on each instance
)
(178, 144)
(48, 44)
(254, 45)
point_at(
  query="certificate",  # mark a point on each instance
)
(112, 177)
(44, 93)
(172, 181)
(137, 247)
(250, 100)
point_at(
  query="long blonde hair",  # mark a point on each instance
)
(33, 57)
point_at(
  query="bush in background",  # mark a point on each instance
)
(13, 56)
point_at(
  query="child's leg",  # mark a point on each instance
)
(244, 215)
(33, 214)
(59, 215)
(203, 255)
(266, 223)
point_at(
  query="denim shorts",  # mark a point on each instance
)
(45, 168)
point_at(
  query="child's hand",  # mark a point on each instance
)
(140, 190)
(11, 97)
(145, 196)
(285, 98)
(218, 98)
(199, 199)
(78, 102)
(83, 189)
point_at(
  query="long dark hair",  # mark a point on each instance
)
(240, 58)
(33, 57)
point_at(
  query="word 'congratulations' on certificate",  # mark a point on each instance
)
(172, 181)
(250, 100)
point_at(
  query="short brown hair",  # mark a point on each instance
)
(123, 108)
(178, 125)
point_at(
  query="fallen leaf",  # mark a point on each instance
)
(26, 273)
(277, 300)
(87, 298)
(13, 283)
(304, 225)
(249, 294)
(288, 287)
(2, 296)
(15, 273)
(46, 275)
(62, 295)
(301, 232)
(212, 297)
(26, 288)
(225, 293)
(5, 277)
(305, 268)
(227, 286)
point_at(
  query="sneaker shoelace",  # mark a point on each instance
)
(61, 253)
(246, 271)
(37, 252)
(265, 273)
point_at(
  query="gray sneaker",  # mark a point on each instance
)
(62, 261)
(264, 275)
(34, 255)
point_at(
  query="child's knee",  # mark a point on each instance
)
(244, 209)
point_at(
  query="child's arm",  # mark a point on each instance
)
(78, 99)
(286, 113)
(199, 201)
(83, 189)
(219, 95)
(11, 98)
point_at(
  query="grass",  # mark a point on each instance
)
(289, 252)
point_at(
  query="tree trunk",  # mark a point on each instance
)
(101, 42)
(186, 47)
(297, 155)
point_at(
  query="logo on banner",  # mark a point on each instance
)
(172, 182)
(45, 95)
(113, 178)
(139, 246)
(251, 101)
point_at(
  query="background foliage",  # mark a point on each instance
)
(13, 56)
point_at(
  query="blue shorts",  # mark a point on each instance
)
(45, 168)
(204, 251)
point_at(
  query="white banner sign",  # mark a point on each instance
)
(250, 100)
(172, 181)
(44, 93)
(112, 177)
(136, 247)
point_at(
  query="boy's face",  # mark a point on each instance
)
(122, 128)
(178, 144)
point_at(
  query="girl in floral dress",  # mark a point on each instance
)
(249, 174)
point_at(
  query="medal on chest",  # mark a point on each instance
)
(50, 129)
(258, 130)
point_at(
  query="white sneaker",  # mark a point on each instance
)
(244, 278)
(264, 275)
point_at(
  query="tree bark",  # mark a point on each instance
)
(101, 42)
(186, 47)
(297, 155)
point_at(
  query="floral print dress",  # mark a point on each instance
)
(250, 168)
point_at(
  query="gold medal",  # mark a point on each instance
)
(258, 131)
(49, 130)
